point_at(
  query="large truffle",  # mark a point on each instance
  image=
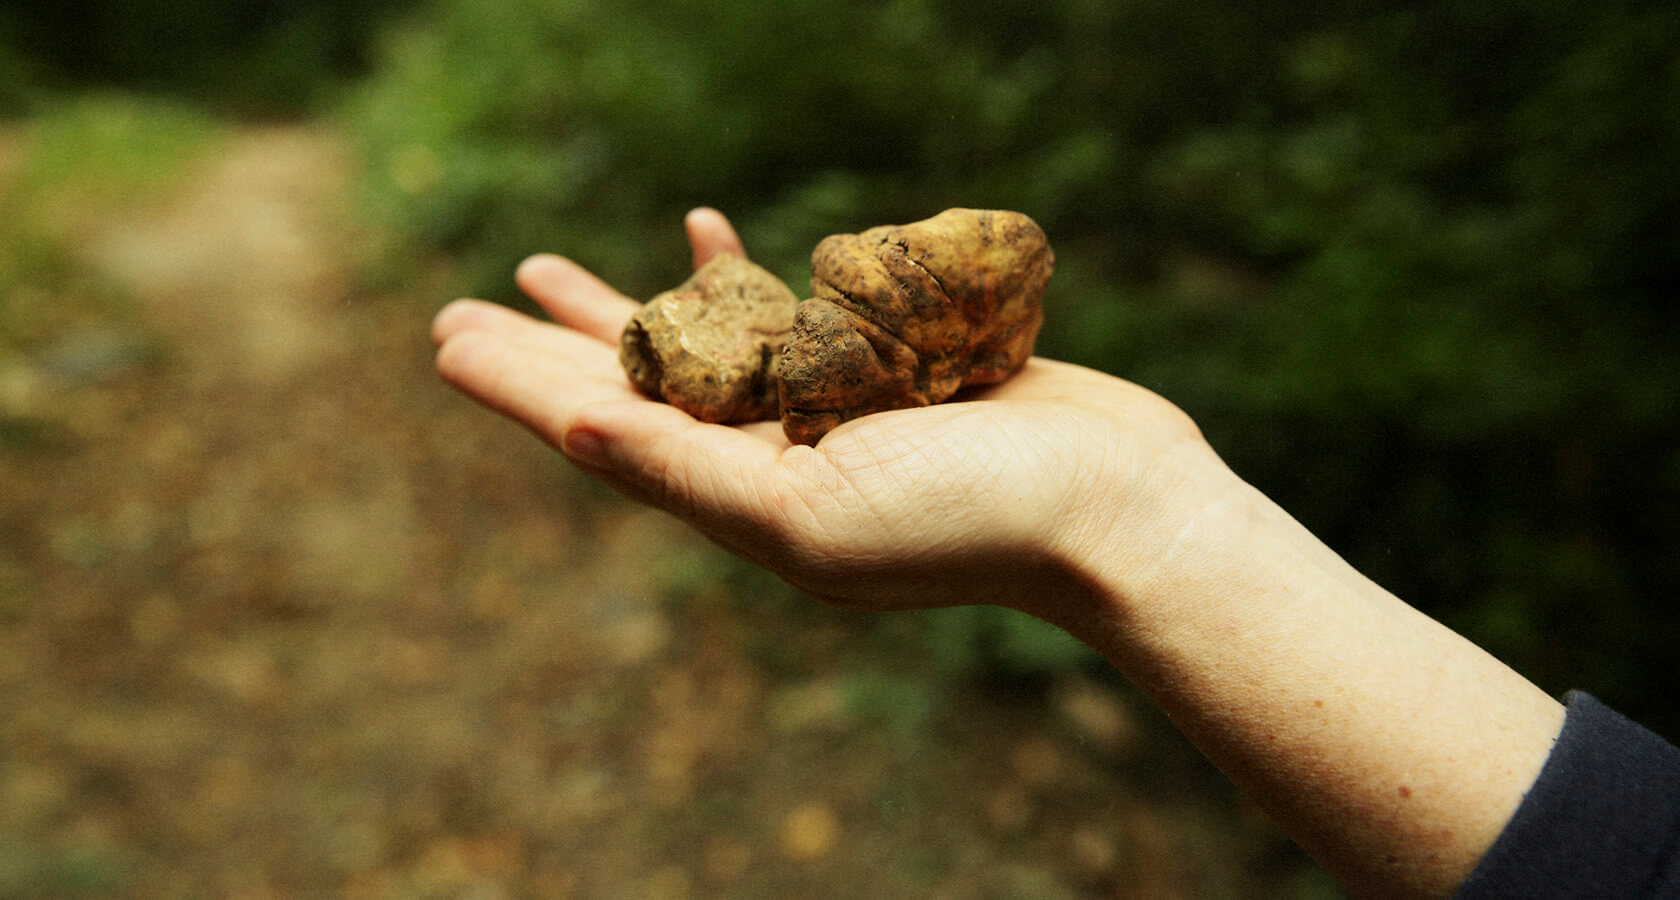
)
(902, 316)
(709, 346)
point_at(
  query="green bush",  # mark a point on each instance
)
(1410, 265)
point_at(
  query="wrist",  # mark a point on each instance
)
(1135, 538)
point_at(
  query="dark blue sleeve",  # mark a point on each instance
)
(1601, 821)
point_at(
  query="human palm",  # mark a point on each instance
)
(991, 498)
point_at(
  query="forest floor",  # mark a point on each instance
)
(282, 616)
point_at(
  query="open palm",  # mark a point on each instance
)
(986, 499)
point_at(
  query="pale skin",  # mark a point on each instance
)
(1390, 748)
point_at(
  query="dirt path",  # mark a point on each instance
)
(284, 617)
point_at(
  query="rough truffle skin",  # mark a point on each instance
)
(904, 315)
(709, 346)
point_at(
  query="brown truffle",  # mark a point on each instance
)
(709, 346)
(902, 316)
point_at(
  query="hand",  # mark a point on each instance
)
(986, 500)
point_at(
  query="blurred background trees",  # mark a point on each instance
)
(1411, 265)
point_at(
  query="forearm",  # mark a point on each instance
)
(1391, 748)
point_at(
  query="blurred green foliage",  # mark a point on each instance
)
(1410, 265)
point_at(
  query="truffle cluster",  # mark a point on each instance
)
(900, 316)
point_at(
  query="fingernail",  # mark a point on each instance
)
(585, 446)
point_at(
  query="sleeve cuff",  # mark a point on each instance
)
(1601, 820)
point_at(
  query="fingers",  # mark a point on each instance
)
(570, 389)
(470, 315)
(538, 374)
(583, 355)
(575, 297)
(710, 233)
(714, 476)
(565, 383)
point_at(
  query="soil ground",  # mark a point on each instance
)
(281, 616)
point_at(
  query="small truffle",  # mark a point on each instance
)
(902, 316)
(709, 346)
